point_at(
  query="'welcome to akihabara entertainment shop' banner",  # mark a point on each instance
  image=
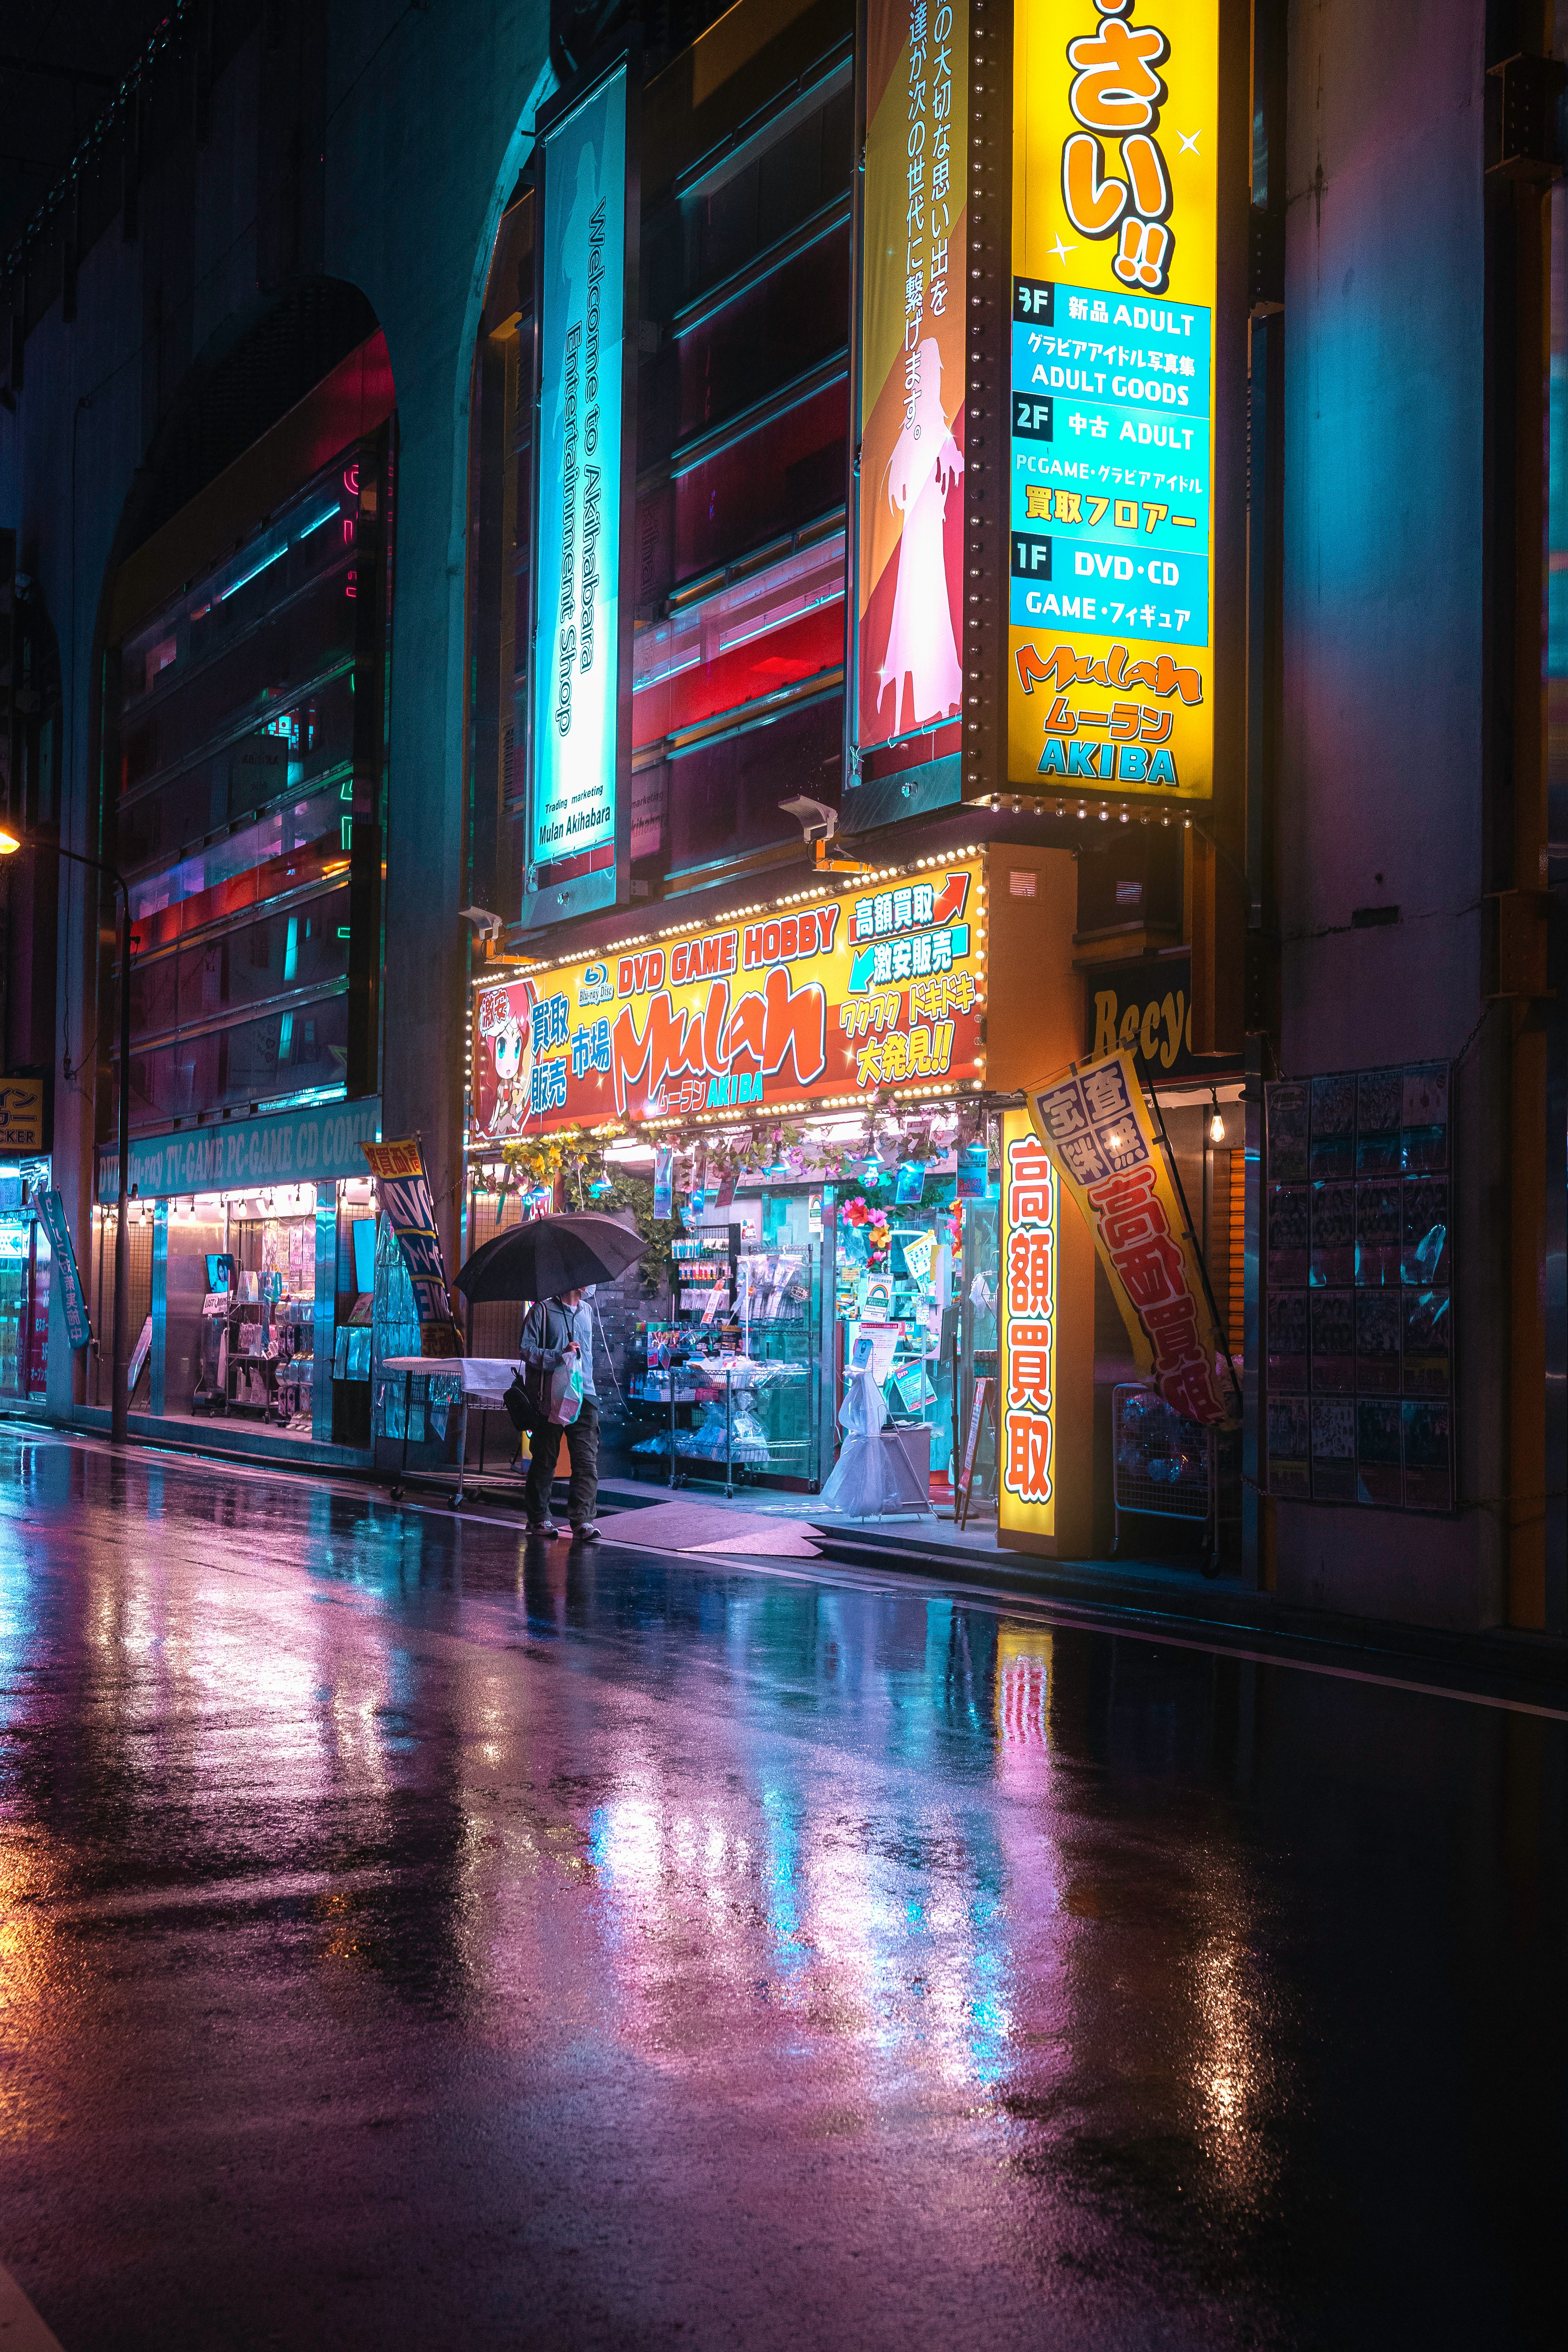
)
(814, 1004)
(577, 745)
(1094, 1124)
(1111, 636)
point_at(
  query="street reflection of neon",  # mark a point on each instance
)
(784, 1862)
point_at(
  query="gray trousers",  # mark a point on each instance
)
(581, 1437)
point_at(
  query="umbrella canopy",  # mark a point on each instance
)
(549, 1255)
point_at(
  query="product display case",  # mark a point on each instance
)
(257, 1351)
(726, 1388)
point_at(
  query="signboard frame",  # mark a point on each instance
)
(1216, 779)
(950, 758)
(755, 1013)
(24, 1118)
(548, 897)
(1046, 1277)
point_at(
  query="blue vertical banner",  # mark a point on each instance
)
(403, 1188)
(580, 738)
(52, 1217)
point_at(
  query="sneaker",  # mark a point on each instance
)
(586, 1532)
(543, 1527)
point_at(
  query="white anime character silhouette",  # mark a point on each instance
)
(922, 648)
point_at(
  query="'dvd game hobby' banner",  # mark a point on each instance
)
(824, 1003)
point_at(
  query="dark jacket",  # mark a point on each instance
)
(547, 1335)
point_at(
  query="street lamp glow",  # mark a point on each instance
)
(10, 843)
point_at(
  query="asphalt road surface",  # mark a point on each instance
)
(409, 1938)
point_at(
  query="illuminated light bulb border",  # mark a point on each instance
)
(850, 885)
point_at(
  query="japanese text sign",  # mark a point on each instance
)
(571, 799)
(1095, 1126)
(21, 1116)
(403, 1188)
(1110, 679)
(881, 988)
(1027, 1329)
(910, 566)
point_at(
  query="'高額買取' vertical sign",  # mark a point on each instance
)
(581, 442)
(910, 602)
(1027, 1329)
(1110, 638)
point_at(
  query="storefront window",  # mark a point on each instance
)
(247, 741)
(25, 1269)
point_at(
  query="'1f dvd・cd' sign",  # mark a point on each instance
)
(1110, 584)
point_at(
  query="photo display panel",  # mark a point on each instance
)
(1111, 589)
(914, 226)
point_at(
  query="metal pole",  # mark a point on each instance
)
(120, 1399)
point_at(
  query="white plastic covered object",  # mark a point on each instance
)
(858, 1483)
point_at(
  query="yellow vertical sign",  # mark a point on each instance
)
(1111, 630)
(1026, 1325)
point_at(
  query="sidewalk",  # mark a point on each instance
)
(1164, 1594)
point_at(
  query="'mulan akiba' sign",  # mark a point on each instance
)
(1110, 636)
(882, 988)
(572, 783)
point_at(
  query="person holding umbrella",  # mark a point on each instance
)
(555, 1261)
(555, 1332)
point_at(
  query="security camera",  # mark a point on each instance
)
(486, 924)
(812, 816)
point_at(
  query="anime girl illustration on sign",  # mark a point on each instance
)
(506, 1031)
(921, 644)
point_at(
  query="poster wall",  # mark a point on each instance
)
(1358, 1288)
(572, 783)
(829, 1001)
(911, 423)
(1111, 637)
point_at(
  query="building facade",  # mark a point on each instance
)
(987, 461)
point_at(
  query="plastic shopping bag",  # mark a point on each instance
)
(565, 1394)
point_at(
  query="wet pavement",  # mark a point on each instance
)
(411, 1938)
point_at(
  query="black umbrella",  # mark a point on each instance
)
(549, 1255)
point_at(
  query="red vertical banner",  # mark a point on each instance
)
(910, 609)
